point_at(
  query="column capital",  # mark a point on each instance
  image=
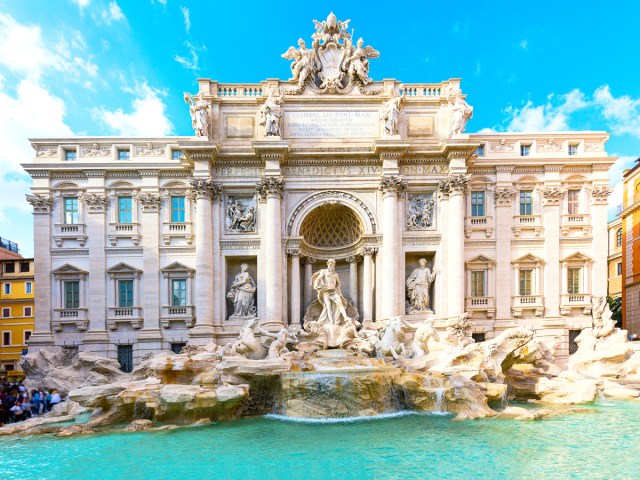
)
(206, 188)
(308, 261)
(293, 252)
(551, 196)
(354, 259)
(369, 251)
(453, 185)
(270, 187)
(600, 194)
(41, 203)
(95, 202)
(504, 196)
(392, 185)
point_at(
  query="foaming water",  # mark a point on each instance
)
(597, 444)
(382, 416)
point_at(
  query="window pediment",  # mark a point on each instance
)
(68, 269)
(481, 260)
(177, 267)
(577, 258)
(529, 258)
(123, 268)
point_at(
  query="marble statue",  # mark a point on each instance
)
(240, 215)
(390, 113)
(327, 283)
(243, 290)
(420, 211)
(199, 110)
(271, 113)
(421, 337)
(247, 345)
(603, 324)
(359, 63)
(331, 30)
(418, 285)
(279, 344)
(461, 111)
(304, 63)
(393, 339)
(460, 329)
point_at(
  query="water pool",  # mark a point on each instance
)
(600, 445)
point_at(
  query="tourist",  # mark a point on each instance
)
(55, 398)
(17, 412)
(47, 402)
(35, 402)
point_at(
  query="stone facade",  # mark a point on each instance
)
(376, 175)
(629, 214)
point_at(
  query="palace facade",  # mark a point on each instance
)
(144, 244)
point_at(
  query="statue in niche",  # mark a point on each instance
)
(359, 66)
(421, 209)
(461, 111)
(330, 320)
(270, 114)
(243, 290)
(418, 285)
(240, 215)
(390, 113)
(199, 110)
(304, 63)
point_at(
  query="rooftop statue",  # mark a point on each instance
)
(199, 110)
(461, 111)
(270, 114)
(391, 113)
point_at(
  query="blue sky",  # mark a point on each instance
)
(116, 67)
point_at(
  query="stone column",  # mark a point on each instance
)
(391, 187)
(202, 332)
(367, 285)
(551, 197)
(272, 188)
(503, 220)
(308, 291)
(295, 288)
(353, 279)
(599, 201)
(454, 187)
(97, 339)
(218, 280)
(43, 295)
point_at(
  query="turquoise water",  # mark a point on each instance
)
(600, 445)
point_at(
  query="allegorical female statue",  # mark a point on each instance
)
(461, 111)
(199, 111)
(270, 114)
(390, 114)
(418, 285)
(243, 290)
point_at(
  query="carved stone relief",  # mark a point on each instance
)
(420, 211)
(502, 146)
(240, 213)
(95, 150)
(149, 151)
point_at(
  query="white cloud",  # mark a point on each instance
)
(148, 117)
(113, 13)
(523, 44)
(82, 3)
(622, 113)
(552, 116)
(187, 20)
(191, 63)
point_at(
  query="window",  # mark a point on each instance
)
(525, 277)
(70, 155)
(72, 294)
(7, 289)
(573, 201)
(177, 347)
(526, 202)
(125, 293)
(573, 280)
(28, 287)
(125, 357)
(70, 206)
(619, 268)
(477, 204)
(619, 238)
(9, 267)
(573, 150)
(480, 151)
(179, 292)
(478, 284)
(124, 154)
(27, 335)
(6, 338)
(27, 312)
(478, 337)
(176, 154)
(6, 312)
(177, 209)
(525, 150)
(9, 366)
(125, 210)
(24, 267)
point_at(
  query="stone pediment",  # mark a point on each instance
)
(528, 258)
(123, 268)
(68, 269)
(177, 267)
(480, 259)
(578, 257)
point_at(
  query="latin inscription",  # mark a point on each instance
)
(331, 170)
(331, 124)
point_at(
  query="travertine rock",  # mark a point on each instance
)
(139, 425)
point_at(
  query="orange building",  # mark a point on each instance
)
(630, 217)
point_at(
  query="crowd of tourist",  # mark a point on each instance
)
(18, 404)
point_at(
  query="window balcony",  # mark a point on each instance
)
(177, 230)
(124, 231)
(482, 224)
(481, 304)
(130, 315)
(532, 223)
(70, 316)
(581, 223)
(70, 231)
(172, 314)
(575, 300)
(520, 303)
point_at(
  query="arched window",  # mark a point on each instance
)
(619, 238)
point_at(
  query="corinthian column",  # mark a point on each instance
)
(271, 188)
(353, 279)
(367, 285)
(295, 287)
(391, 187)
(202, 333)
(453, 188)
(599, 202)
(308, 273)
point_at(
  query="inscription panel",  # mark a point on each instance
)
(331, 124)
